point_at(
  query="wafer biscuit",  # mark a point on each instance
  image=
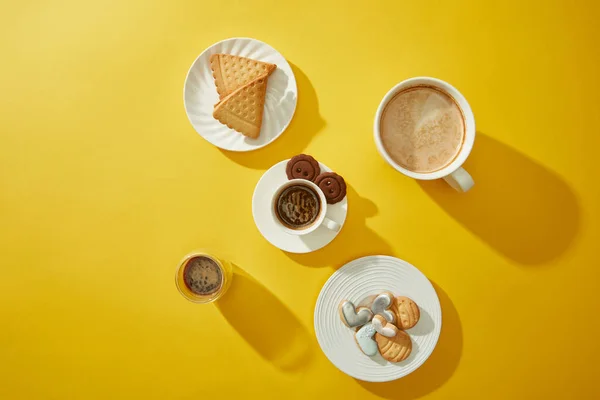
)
(232, 72)
(242, 110)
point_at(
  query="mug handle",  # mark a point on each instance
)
(331, 225)
(460, 180)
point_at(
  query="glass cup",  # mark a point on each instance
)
(226, 275)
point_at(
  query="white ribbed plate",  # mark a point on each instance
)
(200, 95)
(357, 281)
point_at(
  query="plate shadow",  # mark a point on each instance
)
(517, 206)
(440, 366)
(355, 240)
(306, 124)
(290, 351)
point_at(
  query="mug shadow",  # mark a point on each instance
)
(518, 207)
(355, 240)
(440, 366)
(274, 332)
(306, 124)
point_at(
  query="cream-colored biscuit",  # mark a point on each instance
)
(232, 72)
(396, 348)
(407, 312)
(242, 110)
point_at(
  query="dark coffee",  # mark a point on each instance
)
(297, 206)
(202, 275)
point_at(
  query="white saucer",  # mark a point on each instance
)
(200, 96)
(358, 281)
(261, 210)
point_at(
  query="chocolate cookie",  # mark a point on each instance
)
(333, 186)
(303, 166)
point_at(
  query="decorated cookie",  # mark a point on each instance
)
(364, 338)
(333, 186)
(381, 306)
(383, 327)
(406, 311)
(396, 348)
(303, 166)
(352, 317)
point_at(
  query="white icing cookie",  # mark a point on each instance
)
(364, 338)
(383, 327)
(351, 318)
(381, 304)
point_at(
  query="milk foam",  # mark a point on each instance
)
(422, 129)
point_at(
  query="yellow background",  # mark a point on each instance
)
(104, 186)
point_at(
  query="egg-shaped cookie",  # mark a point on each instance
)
(396, 348)
(407, 312)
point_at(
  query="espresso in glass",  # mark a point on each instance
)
(202, 276)
(297, 207)
(422, 129)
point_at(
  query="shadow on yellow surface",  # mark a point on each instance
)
(355, 239)
(307, 122)
(265, 323)
(517, 206)
(437, 369)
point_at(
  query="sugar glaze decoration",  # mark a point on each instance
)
(351, 317)
(381, 304)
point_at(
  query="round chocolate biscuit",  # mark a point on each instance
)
(333, 186)
(303, 166)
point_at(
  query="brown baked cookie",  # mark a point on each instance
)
(396, 348)
(332, 185)
(407, 312)
(303, 166)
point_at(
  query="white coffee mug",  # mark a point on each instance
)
(321, 218)
(453, 173)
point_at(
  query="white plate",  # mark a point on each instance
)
(358, 281)
(261, 210)
(200, 95)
